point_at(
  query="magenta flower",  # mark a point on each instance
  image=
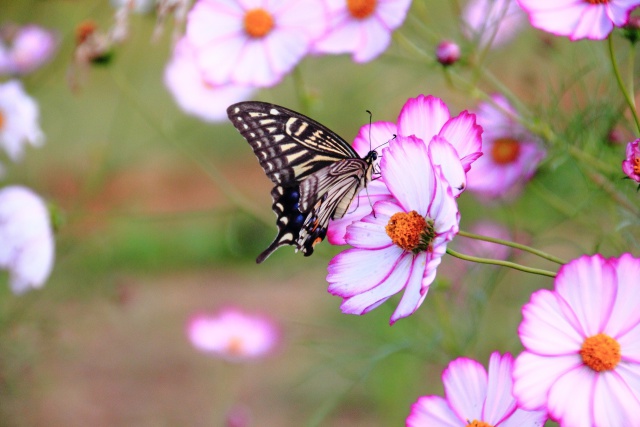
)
(361, 27)
(511, 154)
(253, 42)
(582, 359)
(27, 247)
(454, 143)
(233, 334)
(492, 21)
(579, 19)
(25, 49)
(631, 165)
(400, 245)
(447, 52)
(474, 398)
(192, 93)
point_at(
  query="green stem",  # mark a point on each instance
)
(623, 89)
(515, 245)
(501, 263)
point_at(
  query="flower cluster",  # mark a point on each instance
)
(233, 47)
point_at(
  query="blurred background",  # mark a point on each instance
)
(147, 235)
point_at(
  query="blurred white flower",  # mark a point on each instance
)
(25, 49)
(18, 120)
(26, 238)
(192, 93)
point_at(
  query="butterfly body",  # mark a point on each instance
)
(316, 173)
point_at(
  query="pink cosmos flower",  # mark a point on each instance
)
(233, 334)
(192, 93)
(26, 238)
(492, 21)
(474, 398)
(25, 49)
(511, 154)
(18, 120)
(454, 143)
(582, 359)
(579, 19)
(400, 245)
(253, 42)
(631, 165)
(361, 27)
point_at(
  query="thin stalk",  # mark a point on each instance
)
(501, 263)
(621, 85)
(515, 245)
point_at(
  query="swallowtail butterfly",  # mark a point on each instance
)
(316, 173)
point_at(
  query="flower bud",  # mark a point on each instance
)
(447, 52)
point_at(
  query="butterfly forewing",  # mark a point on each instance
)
(288, 145)
(316, 172)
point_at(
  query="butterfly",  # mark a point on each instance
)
(316, 173)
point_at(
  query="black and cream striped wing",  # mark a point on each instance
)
(289, 145)
(316, 173)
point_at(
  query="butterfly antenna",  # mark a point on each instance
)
(370, 120)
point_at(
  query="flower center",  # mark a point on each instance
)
(597, 1)
(235, 346)
(361, 9)
(505, 150)
(410, 231)
(476, 423)
(258, 23)
(636, 163)
(600, 352)
(2, 120)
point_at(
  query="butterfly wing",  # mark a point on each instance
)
(289, 145)
(316, 172)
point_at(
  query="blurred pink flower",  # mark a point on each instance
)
(579, 19)
(631, 165)
(481, 248)
(25, 49)
(475, 398)
(361, 27)
(253, 42)
(581, 358)
(400, 246)
(511, 154)
(233, 335)
(26, 239)
(495, 21)
(192, 93)
(447, 52)
(18, 120)
(454, 144)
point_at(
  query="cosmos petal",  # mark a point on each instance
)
(499, 401)
(432, 411)
(423, 117)
(614, 403)
(465, 385)
(571, 397)
(626, 315)
(443, 154)
(414, 294)
(465, 135)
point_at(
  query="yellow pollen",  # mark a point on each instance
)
(235, 346)
(636, 161)
(258, 23)
(361, 9)
(505, 150)
(476, 423)
(410, 231)
(600, 352)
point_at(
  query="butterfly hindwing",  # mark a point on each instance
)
(316, 172)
